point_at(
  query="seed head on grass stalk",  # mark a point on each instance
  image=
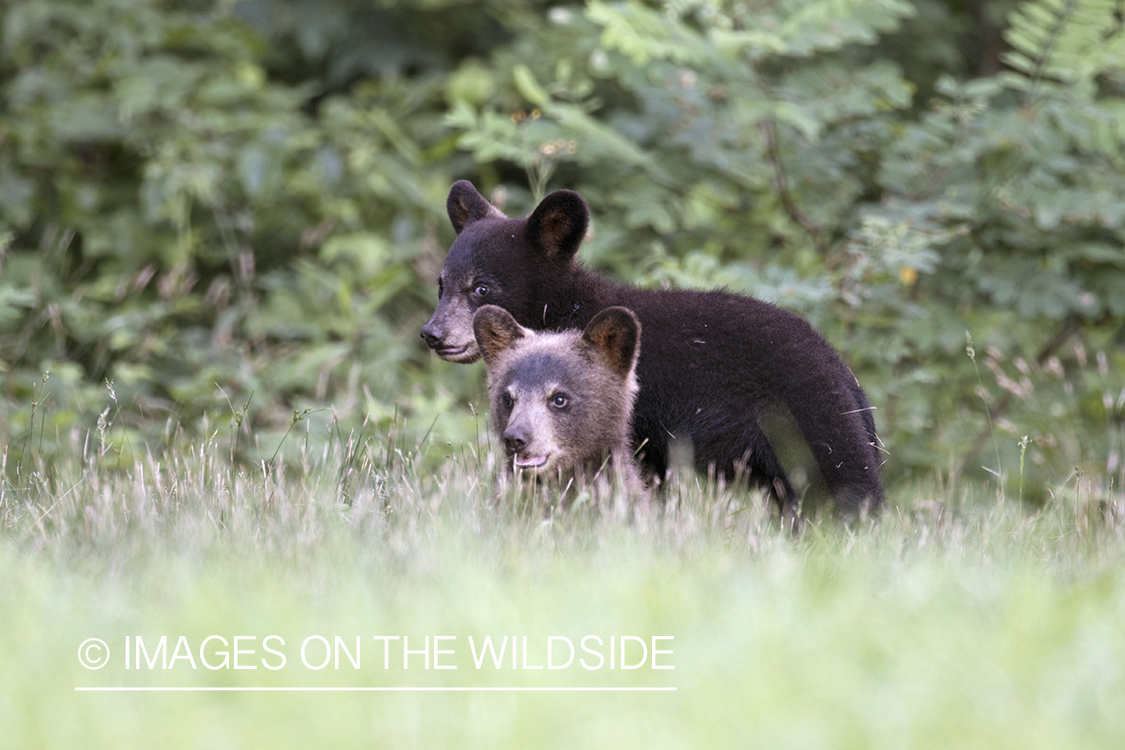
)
(1023, 450)
(35, 404)
(298, 417)
(987, 410)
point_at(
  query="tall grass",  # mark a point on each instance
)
(987, 625)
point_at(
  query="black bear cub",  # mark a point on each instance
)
(562, 403)
(750, 387)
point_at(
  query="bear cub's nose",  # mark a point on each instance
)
(433, 335)
(515, 440)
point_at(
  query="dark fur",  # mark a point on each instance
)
(752, 386)
(562, 402)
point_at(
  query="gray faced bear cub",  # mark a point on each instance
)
(752, 388)
(562, 402)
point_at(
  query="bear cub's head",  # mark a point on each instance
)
(517, 264)
(561, 401)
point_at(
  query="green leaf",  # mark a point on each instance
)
(528, 87)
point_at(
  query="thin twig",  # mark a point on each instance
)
(781, 183)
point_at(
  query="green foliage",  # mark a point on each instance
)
(179, 225)
(208, 204)
(1067, 41)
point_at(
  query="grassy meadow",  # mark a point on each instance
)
(238, 208)
(959, 619)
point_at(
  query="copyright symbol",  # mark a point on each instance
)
(93, 653)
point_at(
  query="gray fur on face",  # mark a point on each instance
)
(561, 401)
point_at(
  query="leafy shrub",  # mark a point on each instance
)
(238, 207)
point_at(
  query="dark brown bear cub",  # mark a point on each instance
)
(752, 388)
(562, 403)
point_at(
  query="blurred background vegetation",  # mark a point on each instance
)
(225, 218)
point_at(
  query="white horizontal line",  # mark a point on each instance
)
(503, 689)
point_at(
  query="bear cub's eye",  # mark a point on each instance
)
(440, 288)
(559, 401)
(481, 290)
(507, 400)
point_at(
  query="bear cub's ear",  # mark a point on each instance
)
(465, 205)
(615, 333)
(496, 330)
(558, 224)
